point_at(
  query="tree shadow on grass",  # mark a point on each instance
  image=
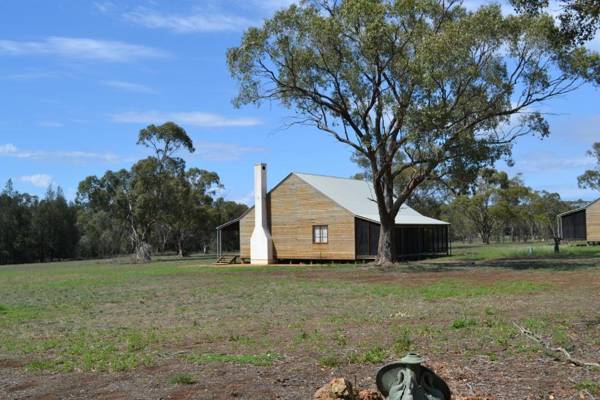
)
(560, 263)
(208, 259)
(411, 266)
(554, 264)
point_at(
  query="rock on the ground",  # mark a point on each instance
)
(337, 389)
(341, 389)
(367, 394)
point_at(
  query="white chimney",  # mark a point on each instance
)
(261, 245)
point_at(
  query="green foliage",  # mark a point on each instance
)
(421, 90)
(463, 322)
(535, 324)
(340, 339)
(589, 385)
(158, 203)
(591, 178)
(580, 19)
(19, 312)
(496, 206)
(83, 350)
(560, 337)
(182, 378)
(499, 251)
(165, 140)
(403, 343)
(115, 316)
(331, 361)
(375, 355)
(33, 229)
(452, 288)
(101, 234)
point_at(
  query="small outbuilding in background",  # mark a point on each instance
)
(581, 224)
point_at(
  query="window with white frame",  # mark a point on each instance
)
(320, 234)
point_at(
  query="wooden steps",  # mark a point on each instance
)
(227, 259)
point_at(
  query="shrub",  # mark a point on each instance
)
(403, 343)
(374, 356)
(182, 379)
(463, 323)
(330, 361)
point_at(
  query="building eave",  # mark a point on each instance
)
(579, 209)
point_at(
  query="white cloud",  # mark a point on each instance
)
(213, 151)
(547, 161)
(572, 192)
(194, 118)
(104, 6)
(10, 150)
(129, 87)
(81, 49)
(7, 149)
(273, 4)
(192, 23)
(38, 180)
(30, 76)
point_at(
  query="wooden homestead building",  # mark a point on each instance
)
(581, 224)
(314, 217)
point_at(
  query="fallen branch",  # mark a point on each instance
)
(548, 347)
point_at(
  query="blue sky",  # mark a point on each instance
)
(80, 78)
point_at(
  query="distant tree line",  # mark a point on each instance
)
(33, 229)
(158, 205)
(500, 208)
(487, 205)
(492, 206)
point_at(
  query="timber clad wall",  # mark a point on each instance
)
(293, 208)
(593, 222)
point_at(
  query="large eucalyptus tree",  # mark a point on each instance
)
(422, 81)
(140, 198)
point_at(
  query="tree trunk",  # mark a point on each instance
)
(164, 240)
(142, 252)
(486, 236)
(180, 248)
(556, 244)
(386, 252)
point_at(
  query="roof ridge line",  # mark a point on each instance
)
(584, 207)
(330, 176)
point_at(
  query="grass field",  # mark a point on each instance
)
(186, 329)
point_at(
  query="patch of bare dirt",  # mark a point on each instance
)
(515, 379)
(517, 373)
(21, 386)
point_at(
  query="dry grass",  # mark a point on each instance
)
(265, 326)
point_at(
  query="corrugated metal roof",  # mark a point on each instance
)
(358, 197)
(578, 209)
